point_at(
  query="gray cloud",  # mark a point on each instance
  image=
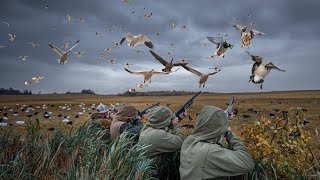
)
(291, 39)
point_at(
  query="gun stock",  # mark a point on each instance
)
(186, 105)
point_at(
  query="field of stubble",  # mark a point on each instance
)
(262, 103)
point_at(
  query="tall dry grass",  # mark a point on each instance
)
(86, 154)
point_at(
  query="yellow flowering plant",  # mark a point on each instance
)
(282, 145)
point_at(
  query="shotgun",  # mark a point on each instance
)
(185, 106)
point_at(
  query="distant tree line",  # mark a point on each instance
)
(159, 93)
(84, 91)
(127, 93)
(11, 91)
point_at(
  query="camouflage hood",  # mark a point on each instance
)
(201, 158)
(159, 117)
(211, 124)
(123, 115)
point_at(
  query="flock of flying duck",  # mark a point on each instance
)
(259, 69)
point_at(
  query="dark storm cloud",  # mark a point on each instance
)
(291, 39)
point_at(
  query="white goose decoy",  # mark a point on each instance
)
(24, 58)
(34, 45)
(135, 40)
(147, 74)
(259, 70)
(12, 37)
(203, 77)
(246, 34)
(63, 56)
(168, 65)
(222, 45)
(20, 122)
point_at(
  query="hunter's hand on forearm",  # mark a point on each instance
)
(183, 114)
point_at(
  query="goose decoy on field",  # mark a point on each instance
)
(247, 34)
(272, 116)
(63, 56)
(167, 65)
(203, 77)
(135, 40)
(259, 70)
(147, 74)
(246, 116)
(275, 110)
(222, 45)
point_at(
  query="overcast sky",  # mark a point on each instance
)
(291, 42)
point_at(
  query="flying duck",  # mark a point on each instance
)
(135, 40)
(168, 65)
(147, 74)
(63, 56)
(203, 77)
(222, 45)
(259, 70)
(246, 34)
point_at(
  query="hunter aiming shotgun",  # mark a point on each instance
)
(141, 113)
(185, 106)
